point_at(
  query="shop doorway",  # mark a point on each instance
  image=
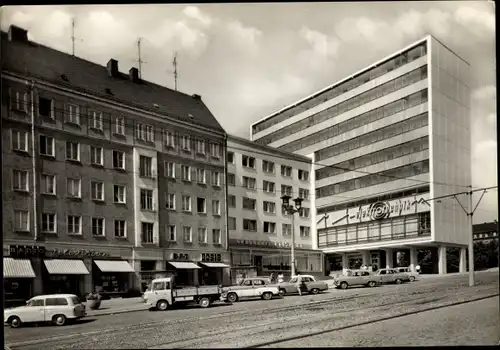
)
(257, 261)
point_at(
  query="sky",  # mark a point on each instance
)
(249, 60)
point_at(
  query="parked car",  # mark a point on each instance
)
(356, 278)
(253, 287)
(55, 308)
(392, 276)
(413, 274)
(311, 285)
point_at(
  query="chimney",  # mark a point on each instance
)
(18, 34)
(134, 74)
(196, 97)
(112, 68)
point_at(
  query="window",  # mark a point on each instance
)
(170, 169)
(200, 146)
(286, 190)
(97, 226)
(187, 234)
(73, 151)
(168, 139)
(268, 186)
(20, 180)
(19, 101)
(249, 203)
(48, 184)
(150, 133)
(231, 223)
(267, 166)
(216, 236)
(269, 207)
(248, 162)
(201, 205)
(200, 176)
(97, 190)
(96, 155)
(215, 207)
(202, 235)
(304, 212)
(45, 107)
(303, 175)
(96, 120)
(186, 172)
(73, 114)
(120, 228)
(120, 126)
(286, 171)
(303, 193)
(286, 230)
(171, 233)
(249, 225)
(147, 232)
(214, 150)
(185, 143)
(186, 203)
(146, 199)
(49, 222)
(269, 227)
(21, 220)
(74, 225)
(170, 201)
(118, 160)
(119, 194)
(145, 166)
(56, 302)
(230, 157)
(231, 201)
(74, 187)
(47, 146)
(304, 231)
(36, 302)
(231, 179)
(249, 182)
(19, 140)
(215, 178)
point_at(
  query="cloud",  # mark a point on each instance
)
(244, 37)
(476, 20)
(195, 13)
(485, 92)
(321, 44)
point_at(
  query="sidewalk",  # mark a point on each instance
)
(118, 306)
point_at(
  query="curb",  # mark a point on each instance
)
(114, 312)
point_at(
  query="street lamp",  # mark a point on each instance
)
(290, 210)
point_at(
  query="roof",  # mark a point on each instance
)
(54, 296)
(45, 63)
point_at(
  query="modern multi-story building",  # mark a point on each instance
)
(260, 232)
(385, 142)
(107, 179)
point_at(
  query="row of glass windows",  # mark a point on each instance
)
(378, 135)
(392, 108)
(384, 155)
(360, 79)
(403, 172)
(356, 101)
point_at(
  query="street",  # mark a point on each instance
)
(294, 321)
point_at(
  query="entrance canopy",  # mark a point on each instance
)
(17, 268)
(66, 267)
(114, 266)
(216, 264)
(184, 265)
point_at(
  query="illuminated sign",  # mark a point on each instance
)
(79, 253)
(26, 251)
(211, 257)
(180, 257)
(264, 244)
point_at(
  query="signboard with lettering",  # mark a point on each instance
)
(211, 257)
(179, 257)
(79, 253)
(26, 251)
(265, 244)
(380, 210)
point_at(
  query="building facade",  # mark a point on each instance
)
(385, 142)
(99, 171)
(260, 232)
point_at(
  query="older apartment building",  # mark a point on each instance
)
(260, 232)
(385, 141)
(108, 180)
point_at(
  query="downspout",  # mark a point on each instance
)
(34, 159)
(226, 190)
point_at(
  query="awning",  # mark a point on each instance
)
(66, 267)
(184, 265)
(114, 266)
(215, 264)
(17, 268)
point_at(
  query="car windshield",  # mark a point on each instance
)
(293, 280)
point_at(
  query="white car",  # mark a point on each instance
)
(55, 308)
(254, 287)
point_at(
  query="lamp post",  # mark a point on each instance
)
(291, 210)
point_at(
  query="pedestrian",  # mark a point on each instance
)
(299, 283)
(271, 277)
(417, 268)
(281, 278)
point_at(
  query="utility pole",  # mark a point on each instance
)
(139, 58)
(174, 62)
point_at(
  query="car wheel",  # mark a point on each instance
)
(162, 305)
(267, 296)
(59, 320)
(398, 281)
(314, 291)
(371, 284)
(282, 292)
(344, 285)
(412, 278)
(204, 302)
(232, 297)
(15, 322)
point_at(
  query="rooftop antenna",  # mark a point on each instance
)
(139, 59)
(175, 70)
(73, 38)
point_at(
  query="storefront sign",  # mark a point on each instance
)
(211, 257)
(79, 253)
(380, 210)
(264, 244)
(180, 257)
(26, 251)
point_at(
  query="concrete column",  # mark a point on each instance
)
(37, 264)
(135, 277)
(159, 266)
(389, 258)
(88, 283)
(442, 260)
(366, 257)
(463, 260)
(196, 273)
(413, 258)
(345, 261)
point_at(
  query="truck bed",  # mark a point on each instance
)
(195, 291)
